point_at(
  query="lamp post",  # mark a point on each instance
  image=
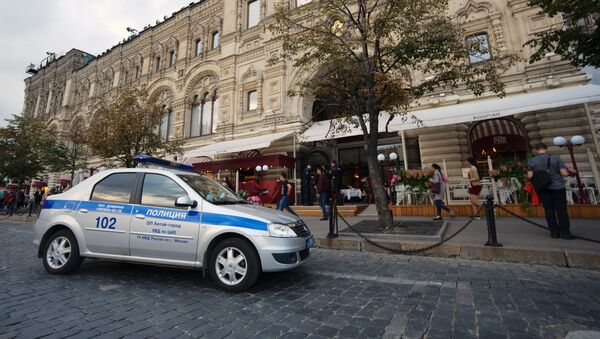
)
(576, 140)
(259, 171)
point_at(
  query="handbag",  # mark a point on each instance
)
(541, 179)
(436, 187)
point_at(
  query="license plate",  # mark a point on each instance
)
(310, 242)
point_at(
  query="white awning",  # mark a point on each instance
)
(236, 145)
(338, 128)
(484, 109)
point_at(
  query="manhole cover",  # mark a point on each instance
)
(404, 227)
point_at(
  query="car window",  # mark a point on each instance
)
(114, 188)
(159, 190)
(211, 190)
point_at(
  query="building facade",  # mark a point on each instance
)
(207, 63)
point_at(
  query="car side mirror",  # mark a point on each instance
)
(185, 201)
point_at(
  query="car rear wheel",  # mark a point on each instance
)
(234, 265)
(61, 253)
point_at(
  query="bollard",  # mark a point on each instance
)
(332, 219)
(491, 223)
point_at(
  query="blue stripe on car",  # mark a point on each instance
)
(159, 213)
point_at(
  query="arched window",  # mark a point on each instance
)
(202, 120)
(171, 58)
(157, 64)
(216, 110)
(198, 47)
(195, 118)
(215, 39)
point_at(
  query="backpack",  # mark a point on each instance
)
(541, 178)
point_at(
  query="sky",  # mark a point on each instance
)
(29, 29)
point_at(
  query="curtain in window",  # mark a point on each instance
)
(195, 120)
(206, 123)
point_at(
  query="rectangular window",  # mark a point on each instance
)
(215, 40)
(252, 103)
(198, 47)
(206, 123)
(479, 48)
(157, 64)
(215, 116)
(253, 13)
(114, 188)
(195, 120)
(171, 58)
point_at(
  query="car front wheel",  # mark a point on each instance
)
(234, 265)
(61, 253)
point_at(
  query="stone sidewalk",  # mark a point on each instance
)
(522, 242)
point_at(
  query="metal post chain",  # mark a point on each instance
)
(491, 223)
(416, 250)
(540, 225)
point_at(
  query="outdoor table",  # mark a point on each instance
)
(350, 193)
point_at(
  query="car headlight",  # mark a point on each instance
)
(281, 231)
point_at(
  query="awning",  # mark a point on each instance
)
(274, 160)
(338, 128)
(236, 145)
(485, 109)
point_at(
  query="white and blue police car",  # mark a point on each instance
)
(168, 217)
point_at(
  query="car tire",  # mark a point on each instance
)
(61, 253)
(234, 265)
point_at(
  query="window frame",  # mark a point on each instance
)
(248, 93)
(139, 190)
(198, 47)
(172, 58)
(213, 35)
(131, 191)
(202, 113)
(487, 40)
(255, 23)
(157, 64)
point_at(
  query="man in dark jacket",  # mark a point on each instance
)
(553, 196)
(336, 182)
(307, 183)
(323, 188)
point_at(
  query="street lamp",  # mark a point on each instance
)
(260, 169)
(576, 140)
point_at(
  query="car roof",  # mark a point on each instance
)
(145, 170)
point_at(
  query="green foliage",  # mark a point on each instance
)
(128, 127)
(577, 39)
(28, 148)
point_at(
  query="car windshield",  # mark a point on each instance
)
(211, 190)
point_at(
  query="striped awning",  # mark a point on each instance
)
(495, 127)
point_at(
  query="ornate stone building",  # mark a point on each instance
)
(208, 64)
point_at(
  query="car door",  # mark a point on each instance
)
(159, 229)
(105, 217)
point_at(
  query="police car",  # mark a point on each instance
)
(168, 217)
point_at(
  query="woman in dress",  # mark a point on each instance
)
(438, 190)
(475, 188)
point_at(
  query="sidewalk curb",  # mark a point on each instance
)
(552, 257)
(32, 218)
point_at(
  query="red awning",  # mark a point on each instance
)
(275, 160)
(39, 184)
(64, 182)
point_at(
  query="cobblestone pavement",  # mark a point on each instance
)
(336, 294)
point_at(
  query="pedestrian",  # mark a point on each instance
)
(438, 190)
(323, 188)
(9, 202)
(37, 200)
(546, 172)
(285, 188)
(2, 195)
(475, 187)
(306, 184)
(336, 182)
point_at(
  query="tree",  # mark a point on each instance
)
(28, 148)
(128, 127)
(576, 38)
(71, 150)
(380, 55)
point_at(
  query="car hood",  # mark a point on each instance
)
(262, 213)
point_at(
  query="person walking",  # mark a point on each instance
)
(285, 188)
(323, 188)
(336, 182)
(438, 190)
(9, 202)
(475, 187)
(306, 184)
(546, 172)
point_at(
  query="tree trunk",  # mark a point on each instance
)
(381, 199)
